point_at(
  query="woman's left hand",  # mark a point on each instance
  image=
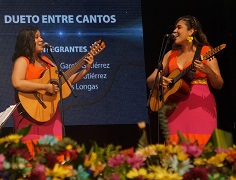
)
(200, 66)
(89, 61)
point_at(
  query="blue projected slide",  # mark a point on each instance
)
(114, 91)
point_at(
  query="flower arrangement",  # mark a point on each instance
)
(65, 159)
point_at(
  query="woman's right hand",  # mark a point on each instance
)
(166, 81)
(52, 88)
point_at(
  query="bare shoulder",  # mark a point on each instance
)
(21, 59)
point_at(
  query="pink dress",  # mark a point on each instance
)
(38, 129)
(195, 115)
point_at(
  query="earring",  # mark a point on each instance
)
(190, 39)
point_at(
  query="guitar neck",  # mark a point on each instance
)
(95, 49)
(182, 73)
(75, 67)
(68, 73)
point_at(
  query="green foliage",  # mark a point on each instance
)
(163, 114)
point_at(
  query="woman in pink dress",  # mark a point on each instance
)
(28, 64)
(195, 114)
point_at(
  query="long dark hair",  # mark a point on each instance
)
(199, 37)
(25, 44)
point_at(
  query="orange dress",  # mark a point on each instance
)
(195, 116)
(38, 129)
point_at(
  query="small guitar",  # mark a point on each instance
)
(40, 105)
(178, 86)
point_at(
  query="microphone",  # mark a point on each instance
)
(46, 45)
(172, 36)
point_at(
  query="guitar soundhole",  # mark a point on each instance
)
(170, 85)
(55, 82)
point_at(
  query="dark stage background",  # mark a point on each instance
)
(218, 20)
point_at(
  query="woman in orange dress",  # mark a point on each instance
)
(28, 64)
(195, 115)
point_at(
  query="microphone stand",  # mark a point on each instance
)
(158, 79)
(61, 74)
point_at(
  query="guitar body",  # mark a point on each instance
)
(33, 106)
(170, 94)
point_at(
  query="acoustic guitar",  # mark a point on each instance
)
(40, 105)
(179, 87)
